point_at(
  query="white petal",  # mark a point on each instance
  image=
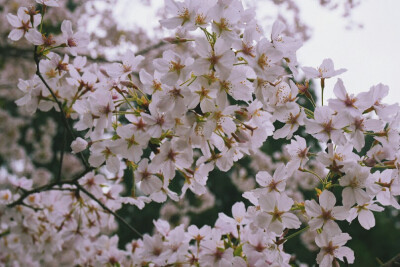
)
(342, 252)
(327, 200)
(16, 34)
(366, 219)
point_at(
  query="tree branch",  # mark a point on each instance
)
(47, 187)
(79, 187)
(148, 49)
(63, 116)
(394, 262)
(62, 154)
(122, 220)
(19, 52)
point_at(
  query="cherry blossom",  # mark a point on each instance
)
(275, 215)
(326, 70)
(364, 213)
(325, 214)
(332, 247)
(22, 23)
(73, 41)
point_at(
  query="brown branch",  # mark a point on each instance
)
(51, 186)
(47, 187)
(62, 154)
(148, 49)
(122, 220)
(63, 116)
(18, 52)
(394, 262)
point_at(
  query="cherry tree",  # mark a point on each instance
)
(139, 130)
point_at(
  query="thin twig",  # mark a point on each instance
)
(62, 155)
(19, 52)
(297, 233)
(148, 49)
(122, 220)
(394, 262)
(63, 116)
(5, 233)
(47, 187)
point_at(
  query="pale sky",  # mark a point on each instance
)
(370, 54)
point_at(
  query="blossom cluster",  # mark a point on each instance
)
(201, 107)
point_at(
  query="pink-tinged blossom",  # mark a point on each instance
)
(73, 41)
(287, 45)
(221, 118)
(21, 183)
(171, 157)
(386, 186)
(375, 97)
(220, 58)
(274, 184)
(6, 197)
(78, 145)
(204, 95)
(54, 68)
(239, 218)
(275, 213)
(184, 14)
(258, 247)
(101, 152)
(332, 247)
(154, 249)
(282, 42)
(354, 181)
(225, 17)
(131, 142)
(390, 137)
(213, 254)
(345, 102)
(298, 152)
(173, 67)
(149, 183)
(266, 62)
(157, 122)
(129, 64)
(197, 234)
(326, 70)
(338, 157)
(151, 83)
(213, 113)
(53, 3)
(32, 89)
(102, 108)
(93, 183)
(325, 213)
(283, 96)
(173, 99)
(358, 126)
(246, 46)
(111, 196)
(292, 118)
(36, 38)
(22, 23)
(326, 125)
(365, 216)
(378, 153)
(236, 84)
(195, 181)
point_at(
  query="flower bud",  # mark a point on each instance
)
(79, 145)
